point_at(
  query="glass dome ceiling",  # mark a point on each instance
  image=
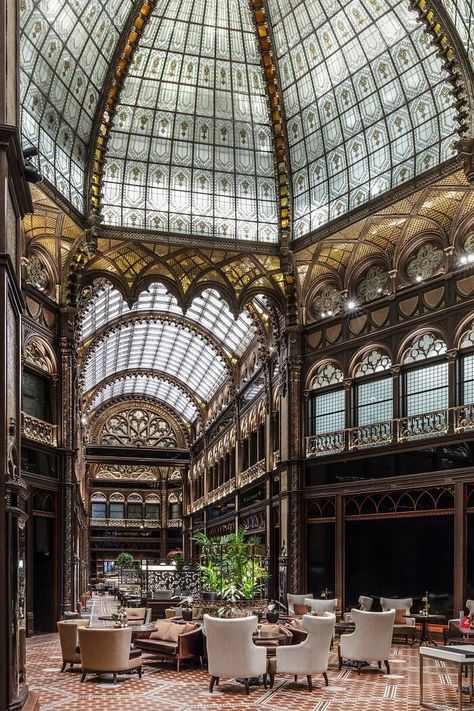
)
(149, 386)
(367, 102)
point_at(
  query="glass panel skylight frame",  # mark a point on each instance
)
(367, 101)
(462, 15)
(65, 53)
(145, 385)
(160, 346)
(191, 147)
(208, 310)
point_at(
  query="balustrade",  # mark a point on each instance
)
(39, 430)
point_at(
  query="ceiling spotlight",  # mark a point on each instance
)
(379, 290)
(323, 314)
(419, 277)
(329, 312)
(351, 305)
(463, 259)
(83, 420)
(470, 258)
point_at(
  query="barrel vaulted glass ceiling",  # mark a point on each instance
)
(156, 349)
(368, 107)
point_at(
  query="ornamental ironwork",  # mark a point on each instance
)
(373, 285)
(36, 274)
(328, 302)
(125, 471)
(467, 339)
(329, 375)
(426, 263)
(138, 428)
(469, 244)
(427, 346)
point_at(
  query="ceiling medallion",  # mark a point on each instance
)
(426, 262)
(373, 285)
(328, 302)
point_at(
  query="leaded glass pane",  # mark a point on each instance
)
(426, 389)
(374, 401)
(462, 14)
(367, 100)
(98, 510)
(191, 147)
(327, 412)
(65, 52)
(468, 379)
(116, 510)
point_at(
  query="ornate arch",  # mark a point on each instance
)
(417, 335)
(317, 370)
(38, 353)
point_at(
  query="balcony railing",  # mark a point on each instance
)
(175, 523)
(38, 430)
(405, 429)
(124, 523)
(253, 473)
(223, 490)
(276, 458)
(198, 504)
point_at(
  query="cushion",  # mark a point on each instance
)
(270, 628)
(399, 617)
(300, 609)
(161, 628)
(188, 627)
(173, 632)
(298, 624)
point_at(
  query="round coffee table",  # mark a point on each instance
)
(423, 621)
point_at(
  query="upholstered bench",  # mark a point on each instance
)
(172, 639)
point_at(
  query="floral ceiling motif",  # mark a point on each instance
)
(137, 428)
(373, 285)
(426, 263)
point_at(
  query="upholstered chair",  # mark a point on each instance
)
(453, 633)
(138, 615)
(365, 604)
(371, 639)
(69, 641)
(470, 607)
(296, 600)
(310, 656)
(231, 651)
(107, 651)
(321, 605)
(404, 626)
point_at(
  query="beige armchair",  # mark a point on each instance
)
(107, 651)
(310, 656)
(365, 604)
(69, 641)
(404, 626)
(321, 605)
(296, 600)
(231, 651)
(371, 639)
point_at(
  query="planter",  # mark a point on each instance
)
(272, 617)
(187, 614)
(210, 596)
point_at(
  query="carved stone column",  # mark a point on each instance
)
(68, 424)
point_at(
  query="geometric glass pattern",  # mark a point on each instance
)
(327, 412)
(65, 51)
(426, 389)
(208, 310)
(190, 150)
(374, 401)
(161, 346)
(367, 102)
(468, 380)
(428, 346)
(373, 362)
(139, 385)
(329, 375)
(462, 15)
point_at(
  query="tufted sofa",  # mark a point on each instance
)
(172, 639)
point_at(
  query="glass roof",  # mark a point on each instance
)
(65, 50)
(208, 310)
(462, 14)
(190, 150)
(160, 346)
(151, 387)
(367, 101)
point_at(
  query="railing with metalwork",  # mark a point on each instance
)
(175, 523)
(402, 430)
(39, 430)
(124, 523)
(198, 504)
(253, 473)
(219, 492)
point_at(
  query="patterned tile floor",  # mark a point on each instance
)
(161, 688)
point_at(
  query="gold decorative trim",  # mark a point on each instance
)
(38, 430)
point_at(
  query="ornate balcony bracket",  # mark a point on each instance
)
(38, 430)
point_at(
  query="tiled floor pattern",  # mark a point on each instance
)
(161, 688)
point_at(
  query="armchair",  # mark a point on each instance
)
(138, 615)
(108, 651)
(404, 626)
(296, 600)
(321, 605)
(365, 604)
(69, 641)
(231, 651)
(371, 639)
(310, 656)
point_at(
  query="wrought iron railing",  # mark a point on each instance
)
(124, 523)
(223, 490)
(425, 425)
(39, 430)
(175, 523)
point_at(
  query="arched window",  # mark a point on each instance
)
(152, 508)
(134, 506)
(466, 389)
(373, 391)
(116, 506)
(425, 386)
(174, 507)
(327, 401)
(98, 505)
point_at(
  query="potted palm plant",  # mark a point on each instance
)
(186, 605)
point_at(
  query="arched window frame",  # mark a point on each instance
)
(465, 380)
(327, 385)
(152, 508)
(372, 389)
(134, 507)
(117, 506)
(98, 505)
